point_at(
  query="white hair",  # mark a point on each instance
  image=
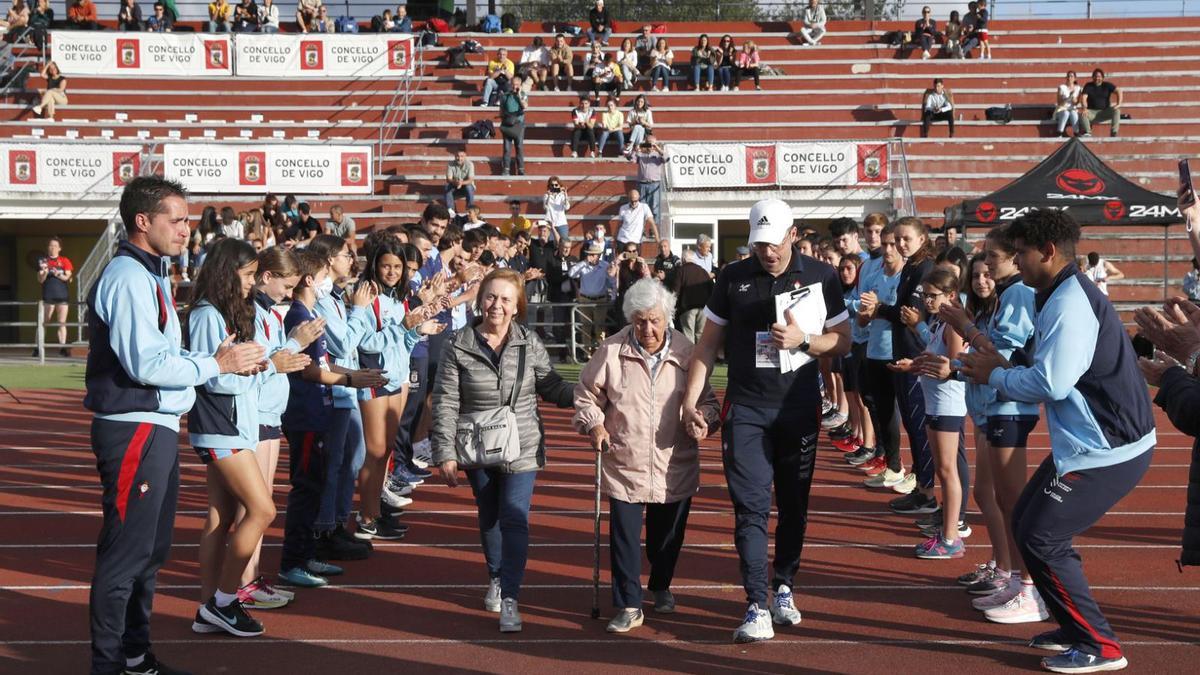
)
(648, 294)
(704, 239)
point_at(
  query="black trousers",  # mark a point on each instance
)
(665, 525)
(414, 407)
(139, 470)
(878, 391)
(580, 134)
(928, 117)
(306, 467)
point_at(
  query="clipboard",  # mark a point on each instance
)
(807, 306)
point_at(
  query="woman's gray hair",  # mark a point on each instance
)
(647, 294)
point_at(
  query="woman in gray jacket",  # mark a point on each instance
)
(478, 372)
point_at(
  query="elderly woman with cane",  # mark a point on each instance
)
(628, 401)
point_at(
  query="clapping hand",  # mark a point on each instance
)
(909, 316)
(1153, 369)
(243, 358)
(868, 303)
(933, 365)
(307, 333)
(364, 294)
(979, 363)
(1173, 330)
(901, 366)
(955, 317)
(287, 361)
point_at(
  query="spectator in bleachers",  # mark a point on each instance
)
(968, 26)
(159, 22)
(925, 31)
(693, 284)
(555, 204)
(231, 226)
(704, 256)
(129, 17)
(1191, 282)
(644, 44)
(641, 123)
(627, 60)
(725, 62)
(592, 59)
(258, 228)
(650, 163)
(324, 23)
(16, 21)
(535, 63)
(497, 76)
(81, 15)
(512, 127)
(403, 20)
(583, 128)
(306, 14)
(748, 64)
(606, 76)
(245, 17)
(1066, 107)
(813, 20)
(952, 47)
(596, 284)
(666, 264)
(383, 23)
(341, 225)
(268, 17)
(1100, 271)
(634, 221)
(516, 223)
(460, 179)
(55, 93)
(561, 63)
(1100, 101)
(40, 20)
(612, 121)
(661, 58)
(978, 35)
(600, 28)
(306, 228)
(220, 16)
(937, 105)
(474, 220)
(702, 62)
(599, 235)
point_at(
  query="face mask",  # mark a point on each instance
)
(325, 287)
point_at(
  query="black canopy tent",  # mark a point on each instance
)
(1074, 179)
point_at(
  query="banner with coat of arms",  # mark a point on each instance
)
(123, 53)
(380, 55)
(236, 168)
(809, 164)
(68, 168)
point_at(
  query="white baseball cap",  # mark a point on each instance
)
(770, 220)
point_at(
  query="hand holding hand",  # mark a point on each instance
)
(694, 423)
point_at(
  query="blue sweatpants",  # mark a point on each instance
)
(761, 448)
(355, 449)
(1051, 511)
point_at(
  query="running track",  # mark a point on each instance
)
(415, 606)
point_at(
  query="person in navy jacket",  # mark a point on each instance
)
(139, 382)
(1102, 434)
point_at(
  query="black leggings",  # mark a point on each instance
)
(879, 394)
(928, 117)
(739, 73)
(581, 134)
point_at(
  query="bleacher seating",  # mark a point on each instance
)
(851, 86)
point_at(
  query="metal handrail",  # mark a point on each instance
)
(908, 203)
(397, 109)
(9, 77)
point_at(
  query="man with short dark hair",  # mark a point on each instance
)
(666, 264)
(460, 179)
(599, 24)
(1102, 431)
(139, 382)
(1101, 101)
(844, 232)
(341, 225)
(306, 228)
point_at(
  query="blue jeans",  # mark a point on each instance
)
(701, 68)
(652, 195)
(660, 71)
(636, 134)
(604, 139)
(1066, 118)
(503, 501)
(725, 73)
(451, 191)
(490, 86)
(216, 26)
(602, 36)
(343, 445)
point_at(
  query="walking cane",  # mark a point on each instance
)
(596, 537)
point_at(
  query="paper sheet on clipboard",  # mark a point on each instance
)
(807, 307)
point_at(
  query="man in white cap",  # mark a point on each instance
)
(770, 429)
(597, 281)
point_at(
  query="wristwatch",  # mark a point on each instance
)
(806, 343)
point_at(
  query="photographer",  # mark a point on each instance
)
(650, 162)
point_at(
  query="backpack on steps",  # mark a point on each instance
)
(479, 129)
(490, 24)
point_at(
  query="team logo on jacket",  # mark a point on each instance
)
(1114, 210)
(143, 488)
(986, 212)
(1079, 182)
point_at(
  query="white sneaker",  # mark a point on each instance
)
(491, 601)
(423, 453)
(510, 618)
(925, 55)
(997, 599)
(1025, 607)
(906, 485)
(37, 110)
(783, 609)
(886, 479)
(392, 498)
(756, 626)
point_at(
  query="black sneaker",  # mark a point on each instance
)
(330, 547)
(859, 456)
(389, 511)
(232, 619)
(842, 432)
(340, 532)
(152, 666)
(913, 503)
(389, 528)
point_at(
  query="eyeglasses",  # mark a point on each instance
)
(931, 296)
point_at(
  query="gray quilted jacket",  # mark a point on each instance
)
(468, 382)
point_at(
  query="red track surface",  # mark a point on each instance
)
(415, 606)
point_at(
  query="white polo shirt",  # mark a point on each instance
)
(633, 222)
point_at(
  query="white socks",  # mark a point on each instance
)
(224, 599)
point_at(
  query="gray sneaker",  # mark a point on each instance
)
(756, 626)
(510, 618)
(664, 602)
(625, 620)
(783, 609)
(491, 601)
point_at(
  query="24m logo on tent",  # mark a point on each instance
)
(1079, 182)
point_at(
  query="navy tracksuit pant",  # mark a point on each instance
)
(139, 470)
(1051, 511)
(414, 407)
(761, 448)
(306, 468)
(665, 525)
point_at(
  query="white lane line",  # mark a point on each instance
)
(803, 588)
(624, 642)
(603, 543)
(416, 516)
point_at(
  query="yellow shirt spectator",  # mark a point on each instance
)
(220, 11)
(506, 65)
(512, 226)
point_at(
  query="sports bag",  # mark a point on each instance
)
(490, 24)
(347, 24)
(490, 437)
(1001, 114)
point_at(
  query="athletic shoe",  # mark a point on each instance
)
(200, 625)
(232, 619)
(298, 576)
(907, 486)
(270, 588)
(833, 420)
(389, 511)
(964, 530)
(403, 475)
(997, 599)
(340, 532)
(1075, 661)
(1052, 641)
(932, 518)
(323, 568)
(510, 616)
(330, 547)
(420, 462)
(150, 665)
(849, 444)
(423, 453)
(756, 626)
(418, 471)
(842, 431)
(874, 467)
(860, 456)
(827, 407)
(913, 503)
(396, 486)
(394, 499)
(981, 571)
(1021, 609)
(664, 602)
(886, 479)
(783, 609)
(379, 528)
(491, 600)
(253, 596)
(626, 620)
(936, 548)
(993, 583)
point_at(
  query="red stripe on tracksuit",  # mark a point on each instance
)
(306, 450)
(1108, 648)
(129, 466)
